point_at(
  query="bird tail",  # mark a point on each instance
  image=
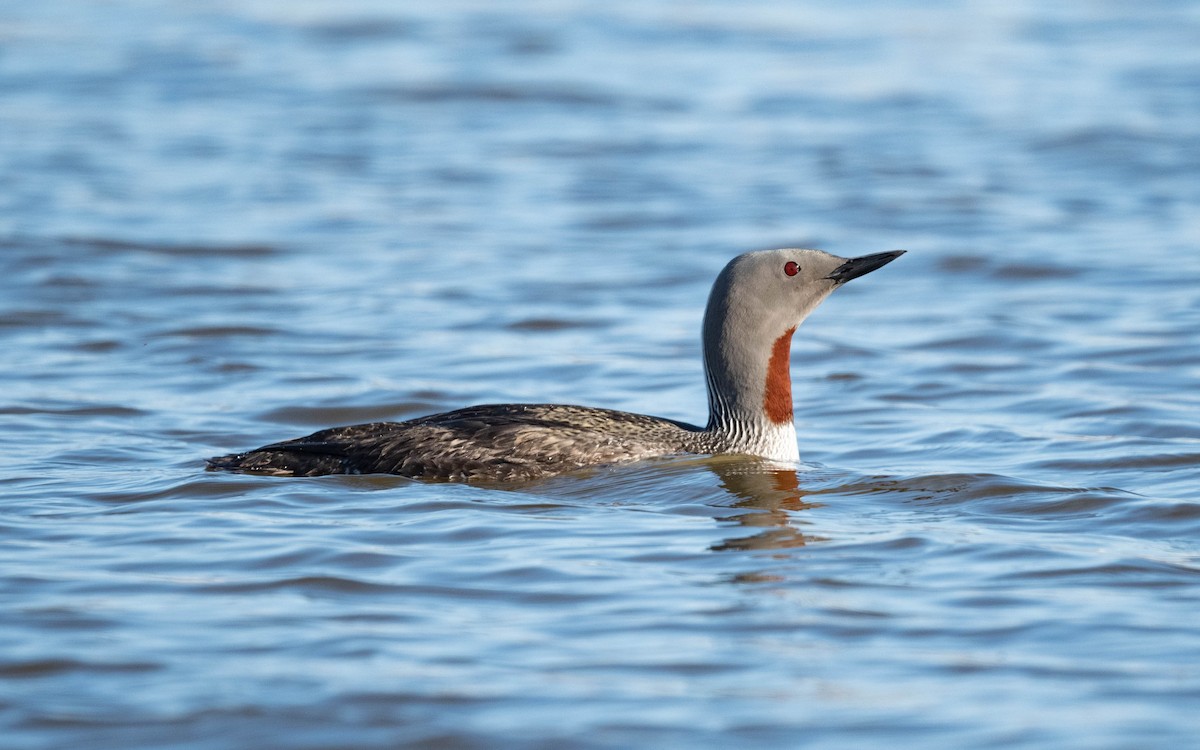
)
(280, 463)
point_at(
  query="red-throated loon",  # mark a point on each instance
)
(755, 305)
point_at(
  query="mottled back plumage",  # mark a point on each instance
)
(495, 441)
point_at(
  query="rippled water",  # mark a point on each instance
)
(225, 225)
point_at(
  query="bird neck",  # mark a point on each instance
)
(749, 388)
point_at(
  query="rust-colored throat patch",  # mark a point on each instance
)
(777, 395)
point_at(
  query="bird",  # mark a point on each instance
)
(756, 303)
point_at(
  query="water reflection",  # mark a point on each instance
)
(769, 495)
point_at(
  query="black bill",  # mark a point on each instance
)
(856, 267)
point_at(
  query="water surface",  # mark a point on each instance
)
(222, 226)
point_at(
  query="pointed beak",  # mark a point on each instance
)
(856, 267)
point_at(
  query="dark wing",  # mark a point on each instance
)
(506, 441)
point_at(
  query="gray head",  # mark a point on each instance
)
(756, 304)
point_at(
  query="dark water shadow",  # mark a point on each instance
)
(759, 498)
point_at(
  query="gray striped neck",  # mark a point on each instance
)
(733, 428)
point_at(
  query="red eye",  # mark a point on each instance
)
(790, 268)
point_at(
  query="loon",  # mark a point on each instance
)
(755, 305)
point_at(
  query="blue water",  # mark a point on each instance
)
(224, 224)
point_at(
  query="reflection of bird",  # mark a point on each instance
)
(767, 495)
(755, 306)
